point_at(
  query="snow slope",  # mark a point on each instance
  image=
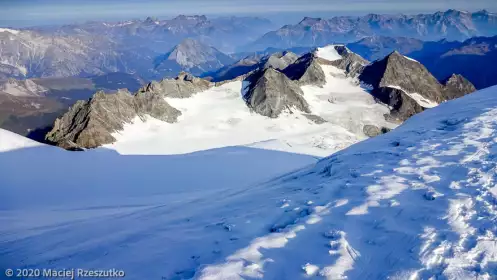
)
(422, 101)
(11, 141)
(416, 203)
(98, 209)
(219, 117)
(329, 53)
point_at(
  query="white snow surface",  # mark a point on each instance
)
(416, 203)
(11, 141)
(15, 32)
(411, 59)
(422, 101)
(219, 117)
(329, 53)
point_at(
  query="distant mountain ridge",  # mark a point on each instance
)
(192, 56)
(97, 48)
(451, 25)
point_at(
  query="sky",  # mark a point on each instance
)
(44, 12)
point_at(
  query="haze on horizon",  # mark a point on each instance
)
(19, 13)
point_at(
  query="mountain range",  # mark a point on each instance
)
(450, 25)
(285, 86)
(132, 47)
(369, 159)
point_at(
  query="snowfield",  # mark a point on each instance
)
(416, 203)
(329, 53)
(11, 141)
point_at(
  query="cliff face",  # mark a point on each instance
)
(408, 87)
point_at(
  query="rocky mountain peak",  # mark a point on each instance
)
(457, 86)
(270, 92)
(398, 71)
(193, 56)
(350, 62)
(280, 60)
(199, 18)
(306, 70)
(408, 87)
(151, 20)
(89, 124)
(183, 86)
(309, 21)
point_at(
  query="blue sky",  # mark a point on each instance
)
(26, 12)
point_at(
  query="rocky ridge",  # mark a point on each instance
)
(89, 124)
(408, 87)
(270, 92)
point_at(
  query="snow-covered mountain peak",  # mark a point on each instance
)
(329, 52)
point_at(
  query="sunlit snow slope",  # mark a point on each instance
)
(416, 203)
(219, 117)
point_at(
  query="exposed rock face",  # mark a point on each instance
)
(351, 63)
(402, 105)
(280, 61)
(411, 76)
(306, 70)
(457, 86)
(183, 86)
(270, 92)
(401, 83)
(89, 124)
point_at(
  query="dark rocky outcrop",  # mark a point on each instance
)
(457, 86)
(270, 92)
(397, 70)
(306, 70)
(280, 61)
(395, 78)
(89, 124)
(183, 86)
